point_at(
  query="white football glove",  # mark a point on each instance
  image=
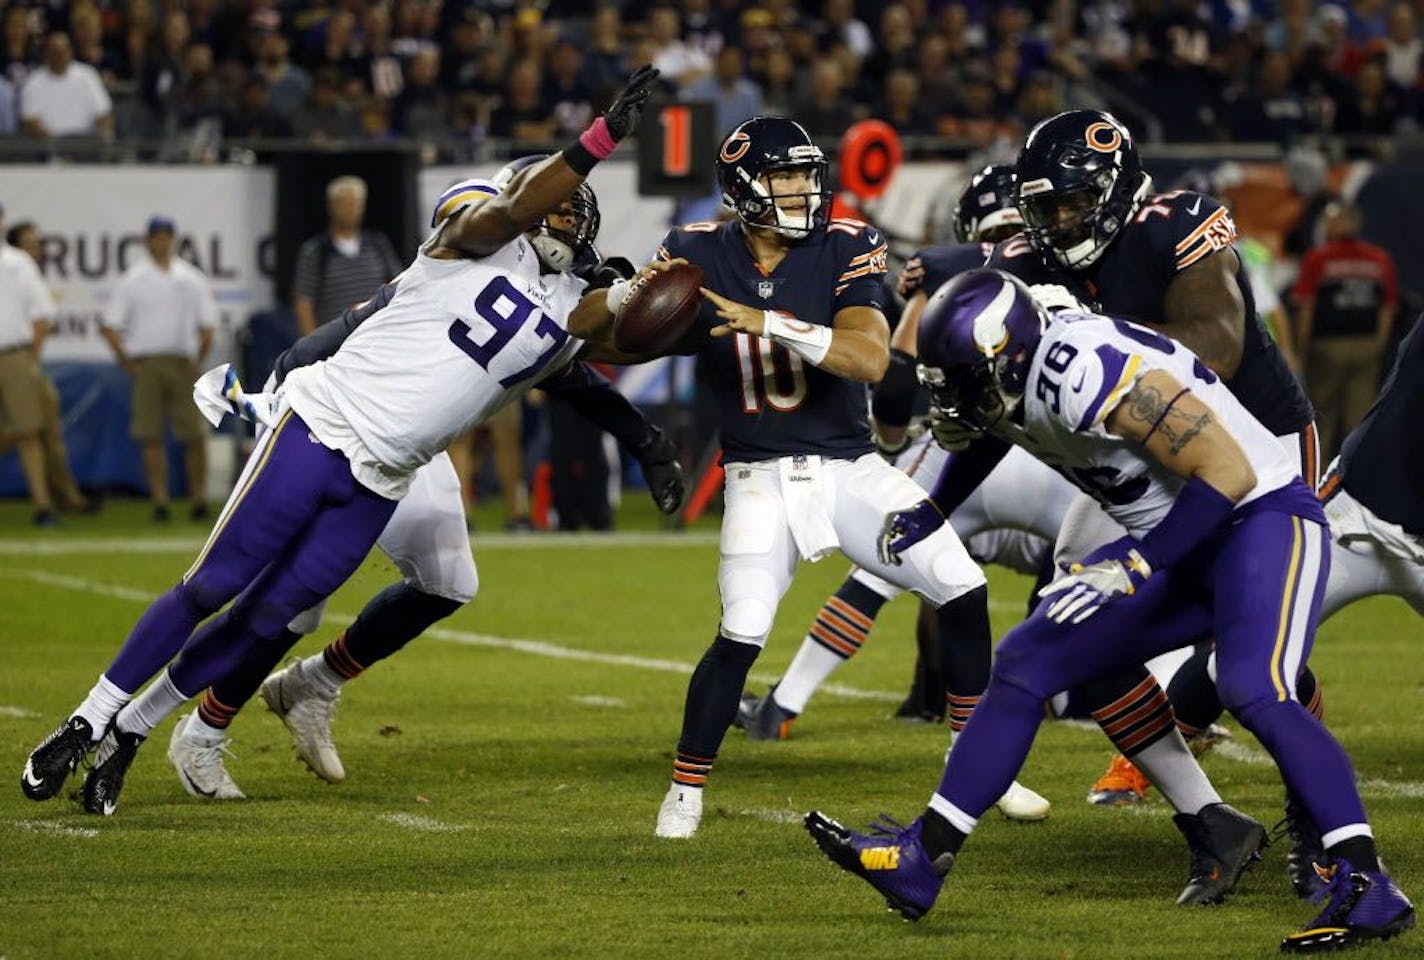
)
(1054, 296)
(1084, 590)
(951, 433)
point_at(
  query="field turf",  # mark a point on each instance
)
(504, 774)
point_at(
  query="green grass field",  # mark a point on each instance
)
(504, 774)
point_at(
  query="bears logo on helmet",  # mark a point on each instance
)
(749, 156)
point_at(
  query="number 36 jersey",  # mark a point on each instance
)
(459, 340)
(1084, 367)
(770, 403)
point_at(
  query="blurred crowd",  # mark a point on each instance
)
(371, 70)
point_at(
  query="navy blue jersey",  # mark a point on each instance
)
(1382, 461)
(945, 261)
(326, 339)
(1171, 232)
(771, 403)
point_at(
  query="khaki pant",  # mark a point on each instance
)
(21, 393)
(163, 390)
(1341, 376)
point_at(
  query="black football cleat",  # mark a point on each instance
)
(1306, 850)
(1223, 842)
(106, 779)
(1360, 906)
(51, 763)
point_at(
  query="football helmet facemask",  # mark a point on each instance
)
(564, 239)
(986, 212)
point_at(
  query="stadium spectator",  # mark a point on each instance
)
(287, 83)
(469, 37)
(606, 56)
(65, 98)
(197, 95)
(25, 310)
(565, 90)
(895, 47)
(680, 62)
(523, 115)
(380, 68)
(326, 114)
(842, 27)
(9, 121)
(735, 97)
(87, 27)
(420, 112)
(159, 322)
(901, 105)
(17, 44)
(1272, 111)
(824, 110)
(1345, 297)
(63, 488)
(252, 116)
(1373, 109)
(345, 263)
(779, 82)
(1402, 47)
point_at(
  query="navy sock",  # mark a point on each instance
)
(713, 695)
(393, 618)
(966, 647)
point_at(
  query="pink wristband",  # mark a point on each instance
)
(597, 139)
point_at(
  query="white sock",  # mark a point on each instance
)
(810, 668)
(1170, 766)
(151, 707)
(320, 675)
(202, 733)
(105, 700)
(957, 818)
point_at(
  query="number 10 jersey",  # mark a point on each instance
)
(460, 340)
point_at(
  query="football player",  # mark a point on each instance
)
(1022, 494)
(1093, 225)
(792, 330)
(426, 537)
(487, 319)
(1224, 539)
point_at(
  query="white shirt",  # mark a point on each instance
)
(68, 104)
(23, 297)
(1083, 368)
(159, 312)
(459, 341)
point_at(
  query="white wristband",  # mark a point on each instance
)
(617, 293)
(810, 341)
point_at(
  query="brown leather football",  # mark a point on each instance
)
(661, 308)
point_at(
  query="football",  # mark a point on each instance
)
(661, 307)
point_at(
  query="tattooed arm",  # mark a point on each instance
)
(1182, 434)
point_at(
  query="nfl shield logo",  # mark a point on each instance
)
(798, 463)
(765, 289)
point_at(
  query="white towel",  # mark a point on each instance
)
(808, 507)
(1352, 524)
(219, 392)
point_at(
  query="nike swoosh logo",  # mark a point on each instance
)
(29, 776)
(1082, 375)
(1195, 207)
(197, 789)
(109, 808)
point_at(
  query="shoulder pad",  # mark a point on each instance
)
(1188, 225)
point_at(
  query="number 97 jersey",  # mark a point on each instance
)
(771, 403)
(1084, 367)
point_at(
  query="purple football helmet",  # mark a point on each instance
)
(977, 337)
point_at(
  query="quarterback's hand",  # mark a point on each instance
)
(905, 528)
(911, 278)
(1084, 589)
(951, 433)
(623, 114)
(666, 483)
(737, 317)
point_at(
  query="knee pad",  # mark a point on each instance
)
(462, 586)
(747, 621)
(308, 620)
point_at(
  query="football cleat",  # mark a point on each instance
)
(200, 765)
(1122, 785)
(1223, 842)
(1021, 803)
(1360, 906)
(680, 813)
(1203, 742)
(105, 781)
(59, 755)
(763, 718)
(1306, 849)
(307, 715)
(890, 858)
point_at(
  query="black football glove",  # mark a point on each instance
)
(658, 457)
(605, 273)
(623, 115)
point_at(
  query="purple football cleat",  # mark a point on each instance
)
(890, 858)
(1360, 906)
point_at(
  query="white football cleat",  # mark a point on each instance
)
(307, 715)
(680, 813)
(1021, 803)
(200, 765)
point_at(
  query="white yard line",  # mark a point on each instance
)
(50, 828)
(422, 824)
(612, 703)
(20, 713)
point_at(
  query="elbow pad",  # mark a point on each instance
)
(893, 400)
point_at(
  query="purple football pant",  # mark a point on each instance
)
(1256, 588)
(295, 528)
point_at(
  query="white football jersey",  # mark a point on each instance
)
(460, 339)
(1084, 366)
